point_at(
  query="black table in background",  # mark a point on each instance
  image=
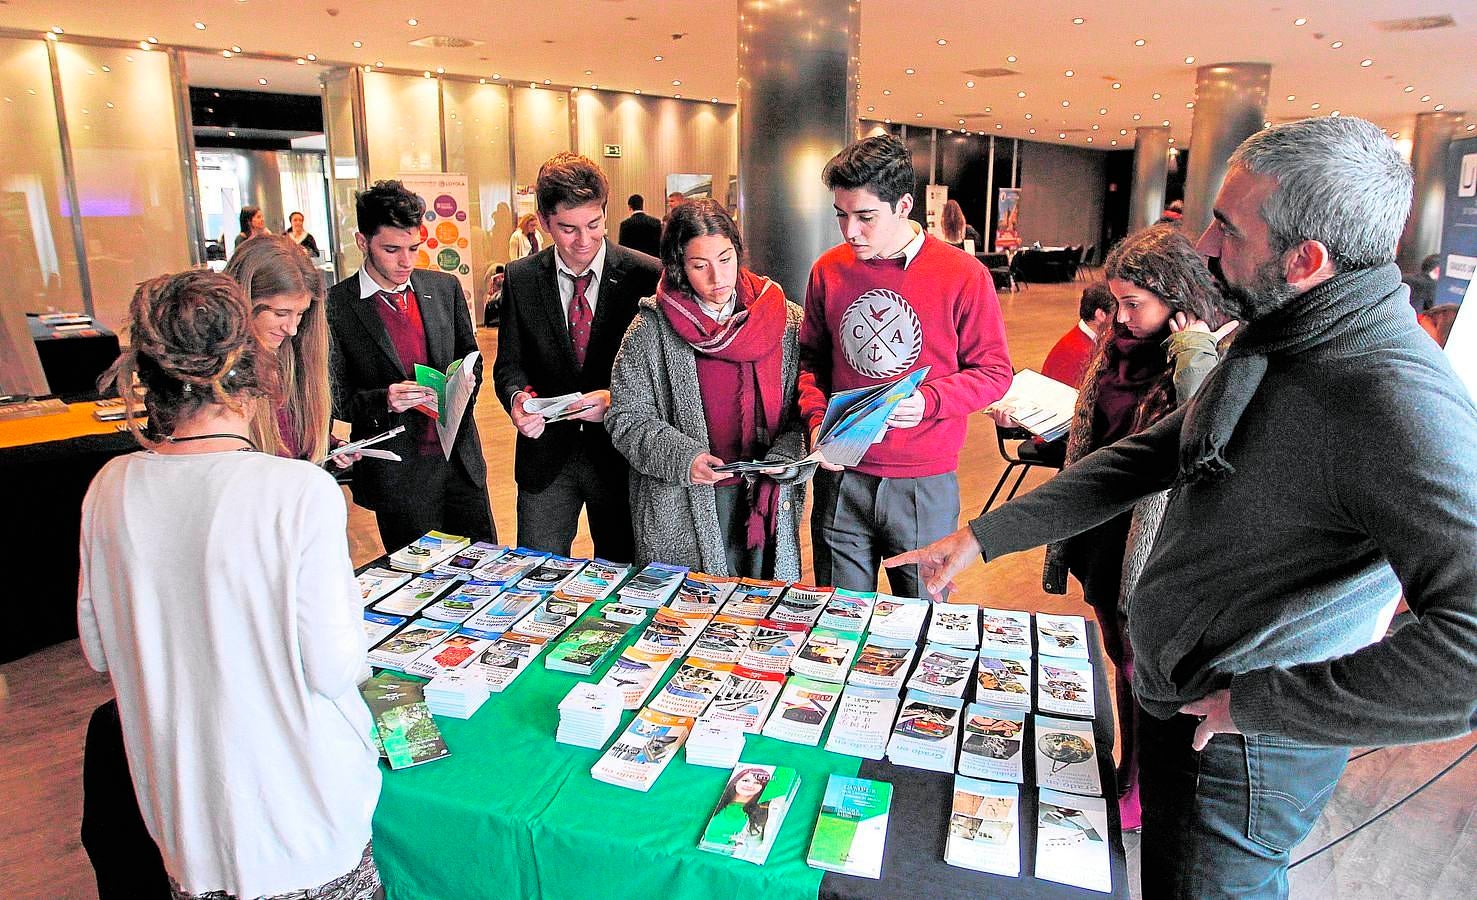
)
(72, 360)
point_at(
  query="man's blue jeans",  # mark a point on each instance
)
(1222, 822)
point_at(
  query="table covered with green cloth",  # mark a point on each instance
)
(511, 813)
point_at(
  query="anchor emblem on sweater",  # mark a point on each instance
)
(880, 334)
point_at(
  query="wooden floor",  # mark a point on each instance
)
(1428, 848)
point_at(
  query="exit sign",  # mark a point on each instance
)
(613, 150)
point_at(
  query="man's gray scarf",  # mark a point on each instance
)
(1346, 313)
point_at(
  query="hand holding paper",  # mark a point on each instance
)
(450, 393)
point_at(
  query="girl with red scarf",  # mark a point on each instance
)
(707, 375)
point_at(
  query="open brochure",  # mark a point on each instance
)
(857, 419)
(1041, 405)
(453, 389)
(359, 447)
(554, 409)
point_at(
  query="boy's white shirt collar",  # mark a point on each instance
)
(368, 287)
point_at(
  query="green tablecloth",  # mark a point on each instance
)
(512, 813)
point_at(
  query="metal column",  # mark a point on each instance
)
(1150, 172)
(1422, 236)
(797, 88)
(1230, 106)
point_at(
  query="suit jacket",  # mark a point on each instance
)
(364, 364)
(642, 232)
(534, 353)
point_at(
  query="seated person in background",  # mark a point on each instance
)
(956, 230)
(1066, 362)
(1422, 284)
(248, 741)
(300, 235)
(707, 374)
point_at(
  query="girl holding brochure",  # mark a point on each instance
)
(707, 375)
(192, 551)
(1150, 359)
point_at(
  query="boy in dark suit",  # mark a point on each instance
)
(382, 321)
(564, 312)
(641, 231)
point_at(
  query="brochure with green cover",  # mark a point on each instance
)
(404, 730)
(852, 828)
(750, 812)
(585, 646)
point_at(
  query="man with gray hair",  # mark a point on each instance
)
(1326, 465)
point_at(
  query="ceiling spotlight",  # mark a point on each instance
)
(589, 71)
(1334, 113)
(1102, 111)
(1089, 139)
(1472, 127)
(1078, 20)
(942, 42)
(1010, 59)
(57, 29)
(1031, 130)
(358, 44)
(1291, 97)
(961, 121)
(1136, 117)
(998, 125)
(917, 115)
(887, 92)
(1156, 95)
(1123, 131)
(676, 82)
(497, 76)
(1171, 140)
(677, 96)
(1165, 123)
(638, 90)
(656, 58)
(1316, 106)
(300, 61)
(1021, 94)
(1028, 115)
(547, 81)
(312, 57)
(153, 40)
(1096, 126)
(941, 103)
(1069, 73)
(261, 81)
(1062, 135)
(235, 49)
(426, 74)
(1140, 42)
(1300, 21)
(1409, 88)
(1114, 143)
(871, 109)
(1117, 85)
(910, 71)
(199, 25)
(1336, 44)
(440, 70)
(1066, 103)
(1439, 107)
(230, 134)
(1190, 105)
(226, 54)
(1365, 63)
(1425, 98)
(712, 99)
(1189, 60)
(107, 68)
(412, 22)
(379, 64)
(969, 84)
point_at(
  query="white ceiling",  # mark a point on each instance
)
(614, 44)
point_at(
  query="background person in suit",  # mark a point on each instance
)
(564, 312)
(382, 321)
(641, 231)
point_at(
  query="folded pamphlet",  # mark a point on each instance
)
(1064, 687)
(453, 389)
(1066, 756)
(927, 732)
(643, 751)
(994, 737)
(404, 730)
(1072, 840)
(851, 830)
(984, 827)
(750, 811)
(1041, 405)
(863, 722)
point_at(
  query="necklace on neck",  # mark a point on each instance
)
(176, 439)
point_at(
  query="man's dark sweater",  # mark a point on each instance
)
(1355, 477)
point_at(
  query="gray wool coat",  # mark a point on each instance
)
(656, 421)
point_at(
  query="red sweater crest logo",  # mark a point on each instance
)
(880, 334)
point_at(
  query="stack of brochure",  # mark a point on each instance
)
(1064, 686)
(479, 554)
(802, 604)
(826, 655)
(416, 594)
(652, 586)
(589, 715)
(848, 610)
(509, 567)
(1064, 636)
(926, 735)
(377, 627)
(898, 617)
(464, 602)
(715, 742)
(955, 624)
(404, 731)
(746, 698)
(750, 812)
(456, 652)
(803, 709)
(506, 659)
(643, 751)
(635, 672)
(691, 687)
(993, 739)
(753, 599)
(585, 646)
(851, 831)
(883, 663)
(943, 670)
(425, 553)
(863, 722)
(984, 827)
(1072, 840)
(1066, 756)
(376, 581)
(401, 649)
(551, 574)
(456, 693)
(597, 580)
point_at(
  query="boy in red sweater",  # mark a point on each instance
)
(890, 300)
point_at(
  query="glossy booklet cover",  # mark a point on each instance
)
(851, 831)
(750, 812)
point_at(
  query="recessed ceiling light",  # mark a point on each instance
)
(1066, 103)
(1028, 115)
(1171, 140)
(412, 22)
(1439, 107)
(1189, 60)
(426, 73)
(910, 71)
(1300, 21)
(1078, 20)
(1140, 42)
(942, 42)
(1136, 117)
(1336, 44)
(712, 99)
(1366, 63)
(199, 25)
(1089, 139)
(969, 84)
(987, 109)
(57, 29)
(1123, 131)
(887, 121)
(109, 105)
(589, 71)
(1156, 95)
(1425, 98)
(235, 49)
(998, 125)
(300, 61)
(358, 44)
(1020, 94)
(312, 57)
(151, 39)
(230, 134)
(638, 90)
(871, 109)
(497, 76)
(677, 96)
(379, 64)
(1062, 135)
(1291, 97)
(1165, 123)
(1069, 73)
(1102, 111)
(941, 103)
(1031, 130)
(1472, 127)
(547, 81)
(676, 82)
(1117, 85)
(887, 92)
(226, 54)
(961, 121)
(1010, 59)
(261, 81)
(440, 70)
(656, 58)
(1409, 88)
(1190, 105)
(1114, 143)
(107, 68)
(917, 115)
(1316, 106)
(1334, 113)
(1096, 126)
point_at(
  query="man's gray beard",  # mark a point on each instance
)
(1267, 292)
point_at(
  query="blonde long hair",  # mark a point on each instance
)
(269, 266)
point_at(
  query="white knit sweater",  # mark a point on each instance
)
(217, 592)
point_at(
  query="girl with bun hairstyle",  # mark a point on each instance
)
(216, 591)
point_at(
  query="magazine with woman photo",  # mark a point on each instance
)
(750, 812)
